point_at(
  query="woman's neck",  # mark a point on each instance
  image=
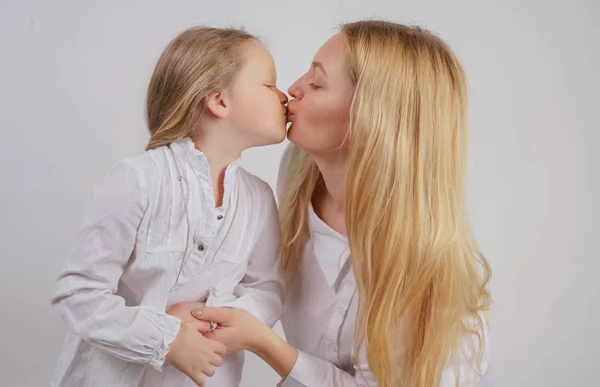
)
(329, 199)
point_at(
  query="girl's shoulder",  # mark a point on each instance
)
(148, 166)
(256, 190)
(151, 162)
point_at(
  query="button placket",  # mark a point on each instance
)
(335, 325)
(202, 239)
(332, 331)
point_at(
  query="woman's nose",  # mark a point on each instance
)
(295, 91)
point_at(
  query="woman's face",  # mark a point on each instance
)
(320, 110)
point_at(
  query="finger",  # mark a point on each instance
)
(218, 347)
(208, 370)
(198, 378)
(218, 315)
(215, 360)
(211, 335)
(201, 326)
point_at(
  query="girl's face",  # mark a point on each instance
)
(320, 110)
(258, 109)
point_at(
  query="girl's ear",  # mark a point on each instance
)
(217, 104)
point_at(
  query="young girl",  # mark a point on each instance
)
(182, 222)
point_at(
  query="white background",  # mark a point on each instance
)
(73, 76)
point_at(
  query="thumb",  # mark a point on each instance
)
(201, 326)
(218, 315)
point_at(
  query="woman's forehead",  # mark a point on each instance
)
(334, 48)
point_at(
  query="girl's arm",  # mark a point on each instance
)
(85, 296)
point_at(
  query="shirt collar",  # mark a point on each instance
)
(187, 151)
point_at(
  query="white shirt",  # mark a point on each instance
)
(119, 279)
(320, 313)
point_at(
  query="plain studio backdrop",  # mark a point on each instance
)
(73, 77)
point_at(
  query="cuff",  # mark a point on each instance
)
(306, 372)
(169, 326)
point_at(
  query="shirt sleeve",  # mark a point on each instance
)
(86, 290)
(312, 371)
(261, 290)
(462, 371)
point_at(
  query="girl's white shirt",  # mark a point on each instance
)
(120, 277)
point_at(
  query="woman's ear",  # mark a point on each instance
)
(217, 104)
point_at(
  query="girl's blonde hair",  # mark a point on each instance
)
(198, 62)
(422, 281)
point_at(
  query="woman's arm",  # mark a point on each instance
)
(299, 368)
(239, 330)
(276, 352)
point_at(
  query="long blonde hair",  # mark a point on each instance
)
(422, 281)
(198, 62)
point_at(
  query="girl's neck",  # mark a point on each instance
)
(220, 151)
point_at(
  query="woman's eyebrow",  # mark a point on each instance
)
(320, 66)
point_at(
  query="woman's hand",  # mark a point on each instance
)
(183, 311)
(237, 328)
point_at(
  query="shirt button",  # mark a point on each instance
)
(341, 311)
(219, 217)
(331, 346)
(201, 247)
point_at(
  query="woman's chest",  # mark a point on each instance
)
(320, 309)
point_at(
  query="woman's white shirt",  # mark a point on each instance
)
(320, 314)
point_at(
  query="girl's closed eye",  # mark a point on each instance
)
(314, 86)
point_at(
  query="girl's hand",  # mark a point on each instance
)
(237, 328)
(194, 354)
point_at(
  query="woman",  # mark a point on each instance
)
(377, 245)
